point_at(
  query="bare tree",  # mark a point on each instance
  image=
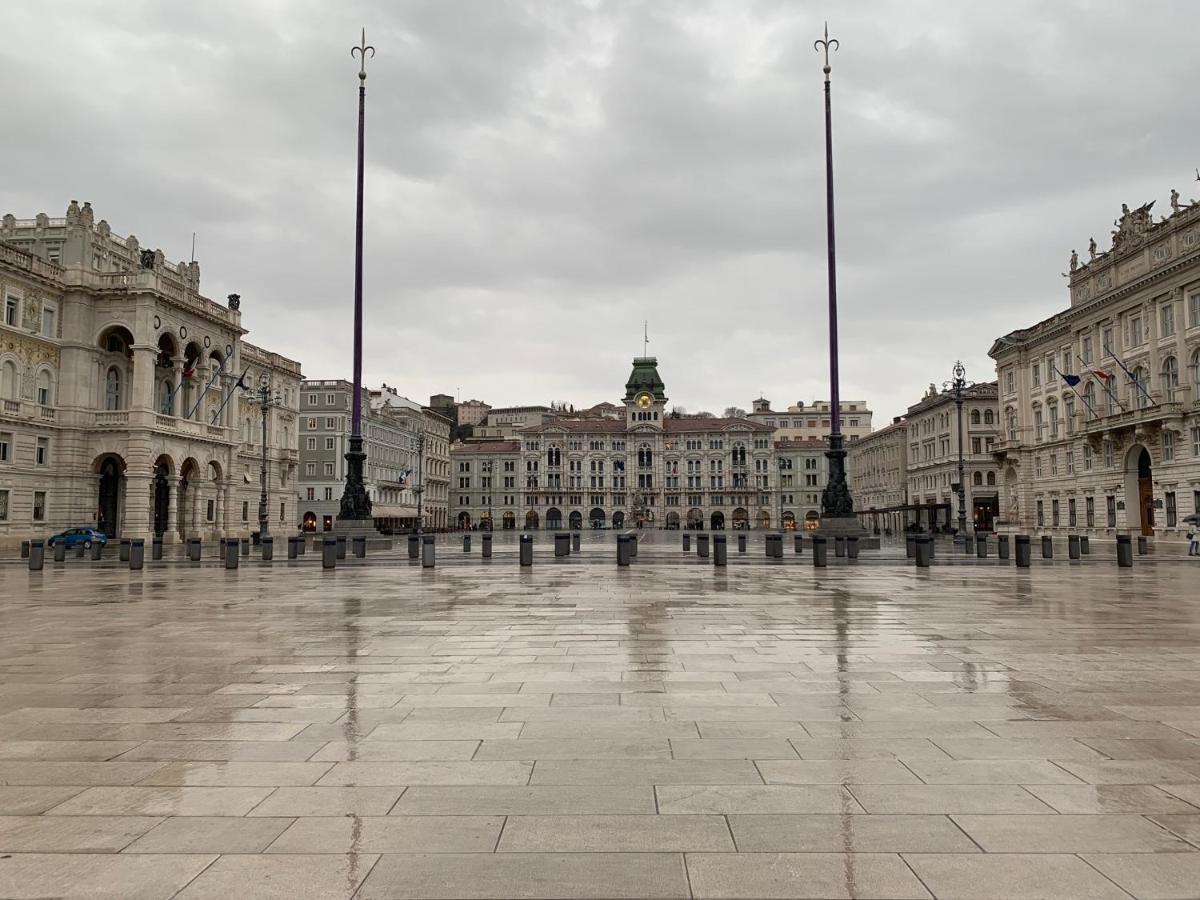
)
(678, 412)
(704, 414)
(734, 412)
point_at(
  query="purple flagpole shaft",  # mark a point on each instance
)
(356, 407)
(835, 413)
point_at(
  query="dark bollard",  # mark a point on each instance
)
(329, 553)
(24, 549)
(156, 548)
(1072, 546)
(1143, 545)
(486, 542)
(687, 542)
(302, 544)
(769, 545)
(268, 548)
(245, 546)
(60, 551)
(981, 546)
(742, 542)
(562, 544)
(633, 544)
(702, 545)
(340, 544)
(137, 553)
(1023, 551)
(124, 550)
(778, 546)
(720, 550)
(230, 549)
(852, 547)
(256, 538)
(1047, 547)
(575, 541)
(428, 551)
(968, 545)
(97, 550)
(193, 549)
(933, 546)
(624, 552)
(798, 543)
(358, 546)
(820, 551)
(466, 543)
(1002, 546)
(910, 545)
(293, 546)
(37, 555)
(923, 551)
(527, 549)
(839, 547)
(414, 546)
(79, 548)
(1085, 546)
(1124, 551)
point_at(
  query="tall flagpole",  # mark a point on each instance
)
(356, 505)
(835, 499)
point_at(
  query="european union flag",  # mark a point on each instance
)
(1071, 380)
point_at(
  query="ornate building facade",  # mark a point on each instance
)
(880, 464)
(644, 468)
(1100, 403)
(121, 405)
(810, 421)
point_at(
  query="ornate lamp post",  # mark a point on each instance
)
(266, 401)
(356, 505)
(958, 384)
(835, 499)
(419, 490)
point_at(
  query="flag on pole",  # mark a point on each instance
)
(1070, 379)
(1134, 380)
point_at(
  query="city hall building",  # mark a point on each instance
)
(1100, 403)
(645, 468)
(120, 404)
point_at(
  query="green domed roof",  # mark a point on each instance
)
(645, 378)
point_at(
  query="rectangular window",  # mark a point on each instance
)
(1087, 350)
(310, 468)
(1010, 382)
(49, 323)
(1036, 374)
(245, 510)
(1110, 504)
(283, 511)
(330, 423)
(41, 455)
(211, 510)
(328, 493)
(1195, 443)
(1108, 454)
(310, 494)
(1053, 463)
(1071, 512)
(11, 309)
(1194, 310)
(976, 445)
(6, 446)
(3, 506)
(1169, 499)
(330, 399)
(1168, 446)
(1037, 466)
(1106, 340)
(1054, 513)
(1041, 515)
(329, 443)
(39, 506)
(1089, 511)
(1135, 331)
(311, 444)
(1070, 462)
(328, 468)
(1166, 319)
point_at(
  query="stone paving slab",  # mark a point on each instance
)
(383, 731)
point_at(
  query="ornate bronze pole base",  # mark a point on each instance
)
(356, 505)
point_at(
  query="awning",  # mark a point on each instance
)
(380, 511)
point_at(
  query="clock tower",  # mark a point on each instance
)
(645, 400)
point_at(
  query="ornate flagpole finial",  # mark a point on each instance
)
(826, 44)
(361, 50)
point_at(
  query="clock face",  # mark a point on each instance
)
(644, 401)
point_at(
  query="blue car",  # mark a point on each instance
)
(85, 536)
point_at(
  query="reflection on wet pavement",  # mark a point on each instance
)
(575, 730)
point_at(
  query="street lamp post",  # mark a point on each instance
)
(836, 503)
(419, 490)
(780, 493)
(356, 504)
(490, 487)
(266, 401)
(958, 384)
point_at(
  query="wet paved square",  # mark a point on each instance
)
(579, 731)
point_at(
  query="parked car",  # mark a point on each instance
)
(73, 536)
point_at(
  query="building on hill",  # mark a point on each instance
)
(811, 422)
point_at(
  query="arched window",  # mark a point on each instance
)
(9, 383)
(112, 388)
(1170, 378)
(166, 398)
(988, 417)
(991, 479)
(45, 389)
(977, 479)
(1139, 387)
(975, 417)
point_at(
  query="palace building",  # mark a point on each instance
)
(1100, 403)
(646, 468)
(120, 404)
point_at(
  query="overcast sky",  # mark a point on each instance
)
(544, 175)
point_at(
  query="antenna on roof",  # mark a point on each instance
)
(193, 246)
(645, 338)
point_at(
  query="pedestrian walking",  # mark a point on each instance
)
(1193, 543)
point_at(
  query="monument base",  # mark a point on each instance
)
(847, 526)
(352, 528)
